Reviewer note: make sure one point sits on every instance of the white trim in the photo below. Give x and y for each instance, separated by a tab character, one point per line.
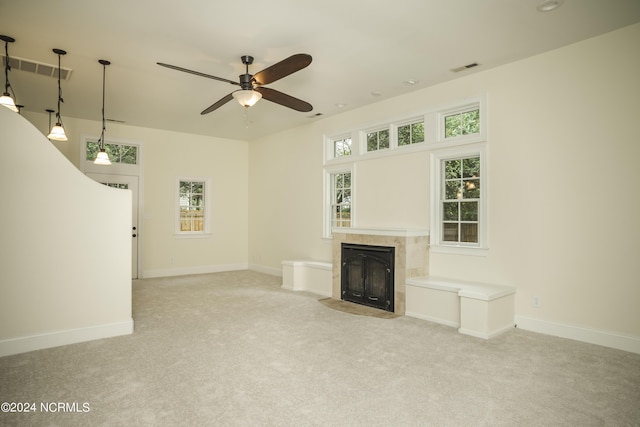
580	333
401	232
483	335
66	337
266	270
201	269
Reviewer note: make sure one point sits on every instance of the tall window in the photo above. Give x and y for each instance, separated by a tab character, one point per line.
460	199
341	199
191	206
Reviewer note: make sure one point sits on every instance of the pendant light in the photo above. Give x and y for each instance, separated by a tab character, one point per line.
6	100
57	131
102	158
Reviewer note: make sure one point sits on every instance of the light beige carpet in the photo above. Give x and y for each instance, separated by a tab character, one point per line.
360	310
234	349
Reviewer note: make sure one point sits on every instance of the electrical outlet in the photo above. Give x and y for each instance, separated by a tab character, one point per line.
536	301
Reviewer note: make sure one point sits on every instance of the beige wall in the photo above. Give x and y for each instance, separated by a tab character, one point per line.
165	157
562	147
65	270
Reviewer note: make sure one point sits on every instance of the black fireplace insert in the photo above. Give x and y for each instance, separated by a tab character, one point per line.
367	275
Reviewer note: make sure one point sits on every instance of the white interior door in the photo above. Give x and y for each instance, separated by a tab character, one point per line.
127	182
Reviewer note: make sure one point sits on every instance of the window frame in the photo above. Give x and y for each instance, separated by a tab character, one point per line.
329	173
206	217
437	157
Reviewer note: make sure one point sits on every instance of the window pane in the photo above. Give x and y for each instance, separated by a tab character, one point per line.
450	211
472	189
372	141
452	190
384	138
469	233
471	167
404	135
452	169
92	150
417	132
469	211
450	232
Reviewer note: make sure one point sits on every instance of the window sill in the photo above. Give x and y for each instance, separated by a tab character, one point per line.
459	250
192	235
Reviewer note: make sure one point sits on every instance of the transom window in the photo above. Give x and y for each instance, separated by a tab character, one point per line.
460	200
191	201
378	140
341	199
464	123
118	153
342	147
412	133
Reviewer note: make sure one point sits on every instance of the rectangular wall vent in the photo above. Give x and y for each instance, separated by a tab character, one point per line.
35	67
465	67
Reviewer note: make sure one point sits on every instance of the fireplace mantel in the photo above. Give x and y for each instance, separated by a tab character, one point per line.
399	232
411	255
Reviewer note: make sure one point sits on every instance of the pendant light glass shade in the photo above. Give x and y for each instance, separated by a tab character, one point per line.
57	131
7	101
102	158
247	98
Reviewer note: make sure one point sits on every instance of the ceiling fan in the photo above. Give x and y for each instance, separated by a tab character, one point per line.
252	85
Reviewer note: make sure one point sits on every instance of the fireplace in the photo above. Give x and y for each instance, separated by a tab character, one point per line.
410	257
367	275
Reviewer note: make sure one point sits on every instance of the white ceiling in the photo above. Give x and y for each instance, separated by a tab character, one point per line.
358	48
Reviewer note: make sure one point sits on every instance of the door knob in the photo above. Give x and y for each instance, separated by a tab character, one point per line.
134	235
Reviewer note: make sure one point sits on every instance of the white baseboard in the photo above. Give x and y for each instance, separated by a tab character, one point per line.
580	333
58	338
266	270
184	271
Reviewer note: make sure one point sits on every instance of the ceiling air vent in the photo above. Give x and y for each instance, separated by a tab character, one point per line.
36	67
465	67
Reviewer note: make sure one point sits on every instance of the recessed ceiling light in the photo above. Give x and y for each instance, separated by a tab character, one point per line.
410	82
549	5
376	93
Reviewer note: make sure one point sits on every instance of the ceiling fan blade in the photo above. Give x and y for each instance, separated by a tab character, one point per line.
197	73
218	104
282	69
284	99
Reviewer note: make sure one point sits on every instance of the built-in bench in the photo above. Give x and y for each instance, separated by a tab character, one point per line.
307	275
481	310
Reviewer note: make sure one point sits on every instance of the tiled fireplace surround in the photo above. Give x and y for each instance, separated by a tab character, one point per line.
411	256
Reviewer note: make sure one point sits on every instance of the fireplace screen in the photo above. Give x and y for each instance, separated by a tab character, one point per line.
367	275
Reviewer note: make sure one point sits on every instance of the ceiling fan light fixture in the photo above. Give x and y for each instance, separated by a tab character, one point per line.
247	98
57	133
7	101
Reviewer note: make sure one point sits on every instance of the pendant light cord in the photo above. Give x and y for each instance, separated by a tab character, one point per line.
104	127
7	67
59	119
